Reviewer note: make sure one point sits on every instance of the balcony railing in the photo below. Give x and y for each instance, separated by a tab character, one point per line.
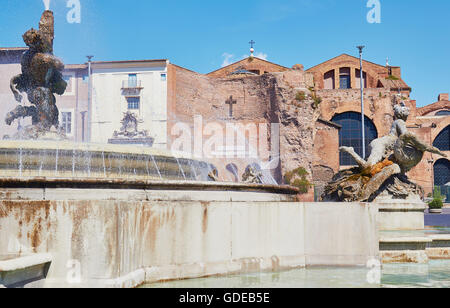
132	84
131	87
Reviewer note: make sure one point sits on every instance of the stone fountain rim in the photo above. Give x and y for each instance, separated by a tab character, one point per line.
89	147
89	183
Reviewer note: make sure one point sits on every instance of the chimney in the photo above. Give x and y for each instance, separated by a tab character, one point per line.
443	97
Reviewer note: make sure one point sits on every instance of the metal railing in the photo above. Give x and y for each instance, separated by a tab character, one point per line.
131	84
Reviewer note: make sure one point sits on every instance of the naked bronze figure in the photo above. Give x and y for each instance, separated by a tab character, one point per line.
384	172
40	79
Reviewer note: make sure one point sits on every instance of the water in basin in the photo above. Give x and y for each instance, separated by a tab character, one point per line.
434	274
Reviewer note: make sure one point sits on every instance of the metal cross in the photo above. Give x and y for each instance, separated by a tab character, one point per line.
231	102
252	43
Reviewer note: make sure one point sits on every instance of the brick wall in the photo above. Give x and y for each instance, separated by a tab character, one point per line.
259	100
255	65
374	71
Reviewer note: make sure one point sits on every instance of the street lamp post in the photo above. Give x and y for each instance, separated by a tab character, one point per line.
89	113
361	78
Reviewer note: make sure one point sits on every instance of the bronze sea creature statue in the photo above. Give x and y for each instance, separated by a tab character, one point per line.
384	172
40	79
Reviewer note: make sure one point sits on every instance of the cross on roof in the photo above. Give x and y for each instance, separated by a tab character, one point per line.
252	43
231	102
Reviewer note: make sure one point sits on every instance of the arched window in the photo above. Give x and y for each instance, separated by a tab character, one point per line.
442	142
344	78
351	135
328	80
358	79
443	113
442	172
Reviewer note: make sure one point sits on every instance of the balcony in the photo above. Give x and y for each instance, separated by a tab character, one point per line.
131	84
131	87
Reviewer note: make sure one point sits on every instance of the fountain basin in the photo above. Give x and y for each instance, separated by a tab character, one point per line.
22	158
123	233
401	214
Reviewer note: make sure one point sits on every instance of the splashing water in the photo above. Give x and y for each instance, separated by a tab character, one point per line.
181	168
46	4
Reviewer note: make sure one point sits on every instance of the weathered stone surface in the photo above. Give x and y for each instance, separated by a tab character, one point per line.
266	99
123	243
404	256
439	253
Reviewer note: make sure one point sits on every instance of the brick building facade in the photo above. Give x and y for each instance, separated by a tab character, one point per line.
338	85
269	120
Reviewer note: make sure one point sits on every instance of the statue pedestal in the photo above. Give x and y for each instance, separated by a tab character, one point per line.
401	214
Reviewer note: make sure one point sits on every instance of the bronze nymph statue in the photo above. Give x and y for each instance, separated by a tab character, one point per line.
384	172
40	79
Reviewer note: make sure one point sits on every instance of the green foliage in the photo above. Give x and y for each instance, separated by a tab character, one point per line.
317	101
436	204
392	77
300	96
298	178
438	199
437	193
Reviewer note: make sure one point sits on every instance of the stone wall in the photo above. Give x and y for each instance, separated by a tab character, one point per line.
123	242
326	155
378	105
260	100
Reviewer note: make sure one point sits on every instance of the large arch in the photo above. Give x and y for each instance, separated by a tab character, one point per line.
431	109
351	134
442	141
443	113
442	172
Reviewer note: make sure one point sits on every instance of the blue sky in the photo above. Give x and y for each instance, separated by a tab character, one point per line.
201	35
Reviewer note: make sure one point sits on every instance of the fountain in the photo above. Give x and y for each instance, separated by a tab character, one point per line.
119	215
382	179
383	175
